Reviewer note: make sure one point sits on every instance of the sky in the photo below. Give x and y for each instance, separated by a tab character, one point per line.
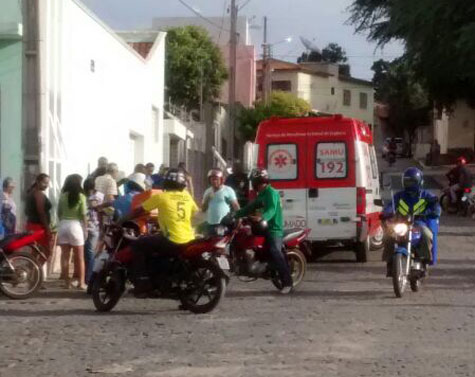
321	21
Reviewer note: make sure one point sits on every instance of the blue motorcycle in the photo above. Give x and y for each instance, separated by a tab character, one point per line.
406	266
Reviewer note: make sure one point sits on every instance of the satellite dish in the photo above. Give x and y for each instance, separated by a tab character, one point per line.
309	45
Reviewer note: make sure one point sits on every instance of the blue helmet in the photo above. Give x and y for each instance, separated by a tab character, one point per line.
412	180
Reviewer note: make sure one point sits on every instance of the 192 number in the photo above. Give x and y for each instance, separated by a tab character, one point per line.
331	167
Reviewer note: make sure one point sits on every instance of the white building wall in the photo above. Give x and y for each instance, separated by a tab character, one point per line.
354	110
98	94
317	90
461	128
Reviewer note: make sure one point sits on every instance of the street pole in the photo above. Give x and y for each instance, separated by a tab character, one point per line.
265	66
232	81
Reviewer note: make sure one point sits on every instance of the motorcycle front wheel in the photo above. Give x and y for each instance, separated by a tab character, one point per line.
399	274
204	287
25	278
107	288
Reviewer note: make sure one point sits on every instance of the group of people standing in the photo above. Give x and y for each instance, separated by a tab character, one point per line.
79	215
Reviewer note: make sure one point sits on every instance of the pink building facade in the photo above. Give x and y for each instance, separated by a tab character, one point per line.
245	75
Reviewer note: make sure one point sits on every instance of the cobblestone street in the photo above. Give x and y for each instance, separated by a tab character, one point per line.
343	321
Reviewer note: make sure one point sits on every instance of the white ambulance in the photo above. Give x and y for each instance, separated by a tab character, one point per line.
326	171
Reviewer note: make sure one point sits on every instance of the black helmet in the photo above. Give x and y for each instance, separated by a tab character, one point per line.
174	180
258	177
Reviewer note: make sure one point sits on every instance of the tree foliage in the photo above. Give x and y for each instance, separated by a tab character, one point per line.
281	104
333	53
396	85
191	59
439	40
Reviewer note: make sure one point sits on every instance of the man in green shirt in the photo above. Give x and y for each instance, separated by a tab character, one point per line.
270	210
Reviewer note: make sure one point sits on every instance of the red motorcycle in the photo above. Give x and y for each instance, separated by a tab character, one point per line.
195	277
249	256
20	272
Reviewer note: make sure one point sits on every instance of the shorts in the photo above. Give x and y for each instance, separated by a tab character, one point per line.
70	232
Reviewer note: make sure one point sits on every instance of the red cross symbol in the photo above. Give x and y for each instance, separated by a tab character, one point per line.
280	161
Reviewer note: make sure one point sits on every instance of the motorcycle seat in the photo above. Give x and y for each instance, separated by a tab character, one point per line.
290	234
12	237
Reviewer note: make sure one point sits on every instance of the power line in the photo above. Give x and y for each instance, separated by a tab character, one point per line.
222	20
348	56
211	22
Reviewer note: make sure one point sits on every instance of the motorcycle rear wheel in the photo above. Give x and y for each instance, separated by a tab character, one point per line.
446	204
26	271
205	287
298	268
399	278
107	289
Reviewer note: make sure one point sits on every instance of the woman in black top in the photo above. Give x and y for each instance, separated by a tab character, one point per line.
38	211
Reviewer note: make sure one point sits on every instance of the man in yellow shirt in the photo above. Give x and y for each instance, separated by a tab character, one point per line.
176	208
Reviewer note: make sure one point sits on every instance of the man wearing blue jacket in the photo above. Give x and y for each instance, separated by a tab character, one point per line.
413	199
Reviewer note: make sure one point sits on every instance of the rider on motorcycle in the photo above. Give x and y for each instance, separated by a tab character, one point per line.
269	206
413	199
175	211
218	200
460	178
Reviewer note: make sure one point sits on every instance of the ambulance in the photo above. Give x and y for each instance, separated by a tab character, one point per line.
326	172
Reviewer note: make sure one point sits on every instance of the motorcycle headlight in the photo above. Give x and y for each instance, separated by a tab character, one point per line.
401	229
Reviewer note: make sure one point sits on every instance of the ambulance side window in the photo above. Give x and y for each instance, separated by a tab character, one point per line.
374	164
282	162
331	160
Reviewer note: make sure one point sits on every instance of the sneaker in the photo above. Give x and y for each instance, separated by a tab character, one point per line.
286	290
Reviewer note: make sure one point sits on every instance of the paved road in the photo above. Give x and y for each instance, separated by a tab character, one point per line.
343	321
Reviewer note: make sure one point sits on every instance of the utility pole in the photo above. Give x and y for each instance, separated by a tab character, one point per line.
232	81
266	80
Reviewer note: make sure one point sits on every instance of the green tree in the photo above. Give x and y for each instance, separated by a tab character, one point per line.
438	36
193	59
332	53
281	104
397	86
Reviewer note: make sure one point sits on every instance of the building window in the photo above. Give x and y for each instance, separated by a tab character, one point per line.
363	100
283	85
346	97
156	124
282	163
333	91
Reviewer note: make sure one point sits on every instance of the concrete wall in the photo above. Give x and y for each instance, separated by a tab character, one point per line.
354	111
11	52
317	90
456	129
245	75
461	129
10	15
98	94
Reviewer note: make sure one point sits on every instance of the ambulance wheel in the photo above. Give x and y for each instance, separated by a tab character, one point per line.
377	241
362	250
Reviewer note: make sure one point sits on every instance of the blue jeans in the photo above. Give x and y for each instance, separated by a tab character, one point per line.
278	258
89	252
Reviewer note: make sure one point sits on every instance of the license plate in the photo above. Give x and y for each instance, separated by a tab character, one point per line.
325	222
223	263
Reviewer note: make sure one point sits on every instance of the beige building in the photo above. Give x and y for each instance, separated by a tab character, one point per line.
456	130
323	87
